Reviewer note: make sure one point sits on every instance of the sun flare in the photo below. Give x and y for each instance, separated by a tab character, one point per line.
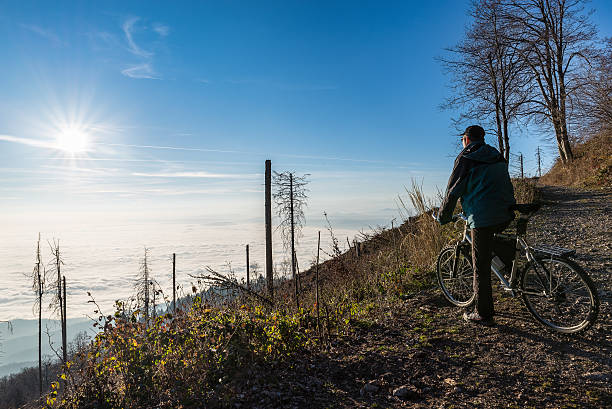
72	139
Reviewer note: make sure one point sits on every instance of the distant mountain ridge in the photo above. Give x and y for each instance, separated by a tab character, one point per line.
20	348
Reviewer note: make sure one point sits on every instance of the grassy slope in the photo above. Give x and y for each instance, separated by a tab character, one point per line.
592	167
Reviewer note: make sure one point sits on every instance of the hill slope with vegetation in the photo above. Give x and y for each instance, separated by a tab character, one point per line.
591	167
381	335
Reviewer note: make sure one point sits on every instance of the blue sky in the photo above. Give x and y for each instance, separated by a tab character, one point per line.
181	103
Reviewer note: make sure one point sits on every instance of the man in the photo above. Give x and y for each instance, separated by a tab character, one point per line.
480	179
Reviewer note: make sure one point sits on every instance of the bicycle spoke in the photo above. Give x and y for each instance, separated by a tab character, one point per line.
558	294
456	286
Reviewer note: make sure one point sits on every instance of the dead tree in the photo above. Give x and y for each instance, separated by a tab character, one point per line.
228	283
290	197
143	286
57	303
488	76
553	38
39	278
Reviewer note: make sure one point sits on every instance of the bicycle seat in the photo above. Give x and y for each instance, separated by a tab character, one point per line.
526	208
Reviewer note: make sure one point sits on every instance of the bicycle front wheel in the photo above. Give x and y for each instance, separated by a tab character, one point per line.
559	294
457	286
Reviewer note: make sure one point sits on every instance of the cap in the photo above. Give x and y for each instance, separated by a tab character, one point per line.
474	132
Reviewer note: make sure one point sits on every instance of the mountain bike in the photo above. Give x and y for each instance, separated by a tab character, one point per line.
554	288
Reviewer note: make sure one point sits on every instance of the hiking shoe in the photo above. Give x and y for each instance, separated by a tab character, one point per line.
475	317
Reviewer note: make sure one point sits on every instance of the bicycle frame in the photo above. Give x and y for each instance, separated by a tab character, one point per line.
520	246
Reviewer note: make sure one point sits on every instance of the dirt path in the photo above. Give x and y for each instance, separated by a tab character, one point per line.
421	349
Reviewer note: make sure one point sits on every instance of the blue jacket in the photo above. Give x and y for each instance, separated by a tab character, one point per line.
480	179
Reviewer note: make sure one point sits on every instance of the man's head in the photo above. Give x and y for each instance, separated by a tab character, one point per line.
473	133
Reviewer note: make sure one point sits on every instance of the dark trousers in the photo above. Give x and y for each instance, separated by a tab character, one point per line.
482	246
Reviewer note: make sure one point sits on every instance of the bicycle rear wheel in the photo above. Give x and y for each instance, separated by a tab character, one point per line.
456	287
559	294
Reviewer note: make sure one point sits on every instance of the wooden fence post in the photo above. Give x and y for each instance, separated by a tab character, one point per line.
317	284
174	283
268	209
64	325
247	268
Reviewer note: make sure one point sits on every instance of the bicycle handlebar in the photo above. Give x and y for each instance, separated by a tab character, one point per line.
454	218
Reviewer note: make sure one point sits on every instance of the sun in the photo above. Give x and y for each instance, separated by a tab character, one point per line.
72	139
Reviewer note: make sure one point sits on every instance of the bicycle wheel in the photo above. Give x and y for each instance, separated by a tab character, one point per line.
457	288
560	294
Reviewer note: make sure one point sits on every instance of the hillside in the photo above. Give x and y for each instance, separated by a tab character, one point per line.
591	168
384	336
387	338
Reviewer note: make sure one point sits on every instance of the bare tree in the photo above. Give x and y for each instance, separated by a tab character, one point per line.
39	277
596	96
143	286
290	198
488	74
552	36
58	302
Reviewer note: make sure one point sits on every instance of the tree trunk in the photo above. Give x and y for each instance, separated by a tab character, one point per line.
564	142
60	301
506	152
500	134
562	145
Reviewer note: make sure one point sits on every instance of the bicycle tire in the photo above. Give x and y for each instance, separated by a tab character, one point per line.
457	290
568	303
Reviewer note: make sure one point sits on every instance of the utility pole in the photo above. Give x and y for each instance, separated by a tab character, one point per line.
247	268
268	209
539	156
317	284
64	325
297	300
521	159
174	283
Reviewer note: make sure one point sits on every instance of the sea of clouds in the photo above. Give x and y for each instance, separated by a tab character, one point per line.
103	258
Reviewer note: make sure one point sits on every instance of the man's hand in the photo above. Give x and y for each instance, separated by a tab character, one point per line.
435	214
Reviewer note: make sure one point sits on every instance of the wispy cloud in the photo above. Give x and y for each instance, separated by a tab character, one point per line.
199	175
144	68
81	169
161	29
140	71
48	34
128	28
30	142
173	148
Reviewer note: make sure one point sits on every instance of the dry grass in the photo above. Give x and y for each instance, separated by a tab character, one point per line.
591	168
525	190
